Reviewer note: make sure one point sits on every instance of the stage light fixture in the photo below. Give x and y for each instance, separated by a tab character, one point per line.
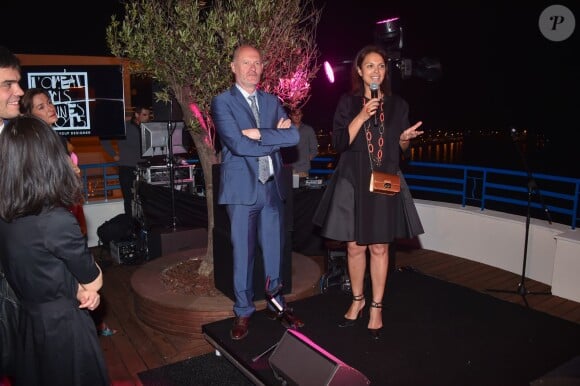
428	69
329	71
389	33
333	70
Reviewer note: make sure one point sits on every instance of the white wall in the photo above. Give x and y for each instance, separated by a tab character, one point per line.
489	237
96	213
566	267
492	238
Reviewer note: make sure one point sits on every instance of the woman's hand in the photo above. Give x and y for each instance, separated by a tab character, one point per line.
87	298
411	132
370	108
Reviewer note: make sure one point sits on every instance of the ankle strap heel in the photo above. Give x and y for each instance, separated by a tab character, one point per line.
346	322
376	332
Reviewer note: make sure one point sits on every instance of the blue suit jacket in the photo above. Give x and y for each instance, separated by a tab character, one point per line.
231	114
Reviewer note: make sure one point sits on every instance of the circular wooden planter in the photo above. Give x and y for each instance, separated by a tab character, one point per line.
184	315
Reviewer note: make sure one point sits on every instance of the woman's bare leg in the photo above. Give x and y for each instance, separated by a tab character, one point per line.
357	262
379	264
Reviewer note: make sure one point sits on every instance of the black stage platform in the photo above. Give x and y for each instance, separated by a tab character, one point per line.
435	333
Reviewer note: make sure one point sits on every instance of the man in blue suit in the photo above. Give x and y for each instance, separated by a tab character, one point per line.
252	127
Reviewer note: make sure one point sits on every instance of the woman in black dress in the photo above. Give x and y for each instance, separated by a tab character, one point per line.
46	259
368	127
37	102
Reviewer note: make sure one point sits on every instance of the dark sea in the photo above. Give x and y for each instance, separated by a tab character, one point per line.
531	154
500	150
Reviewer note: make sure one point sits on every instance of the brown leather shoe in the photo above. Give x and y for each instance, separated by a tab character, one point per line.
271	314
240	328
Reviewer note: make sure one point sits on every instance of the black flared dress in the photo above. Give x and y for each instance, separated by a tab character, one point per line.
44	257
348	210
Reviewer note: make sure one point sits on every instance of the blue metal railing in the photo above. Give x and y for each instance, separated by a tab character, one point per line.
477	186
329	165
99	178
480	186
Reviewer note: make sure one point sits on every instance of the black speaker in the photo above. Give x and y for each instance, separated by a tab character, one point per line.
162	241
124	252
297	360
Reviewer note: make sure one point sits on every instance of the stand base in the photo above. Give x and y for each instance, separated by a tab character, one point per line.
522	291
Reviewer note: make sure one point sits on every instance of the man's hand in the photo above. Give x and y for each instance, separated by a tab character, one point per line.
284	123
252	134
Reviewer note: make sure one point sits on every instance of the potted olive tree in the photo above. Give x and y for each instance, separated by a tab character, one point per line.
187	45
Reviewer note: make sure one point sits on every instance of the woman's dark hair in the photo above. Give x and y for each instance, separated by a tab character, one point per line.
26	106
357	83
26	99
35	170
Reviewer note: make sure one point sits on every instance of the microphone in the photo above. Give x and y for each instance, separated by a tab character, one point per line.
375	94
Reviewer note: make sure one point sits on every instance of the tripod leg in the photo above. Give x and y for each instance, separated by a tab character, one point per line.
522	291
256	358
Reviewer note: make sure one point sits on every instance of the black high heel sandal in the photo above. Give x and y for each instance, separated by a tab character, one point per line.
346	322
376	332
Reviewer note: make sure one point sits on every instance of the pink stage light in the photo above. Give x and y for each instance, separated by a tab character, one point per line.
329	71
390	25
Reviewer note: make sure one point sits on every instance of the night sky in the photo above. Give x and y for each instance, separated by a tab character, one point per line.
498	70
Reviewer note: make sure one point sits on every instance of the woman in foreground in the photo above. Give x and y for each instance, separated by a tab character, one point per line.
46	259
370	130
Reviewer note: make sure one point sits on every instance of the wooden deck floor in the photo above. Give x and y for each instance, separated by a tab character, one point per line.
137	347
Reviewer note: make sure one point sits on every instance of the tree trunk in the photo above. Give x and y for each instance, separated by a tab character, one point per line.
207	158
207	161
